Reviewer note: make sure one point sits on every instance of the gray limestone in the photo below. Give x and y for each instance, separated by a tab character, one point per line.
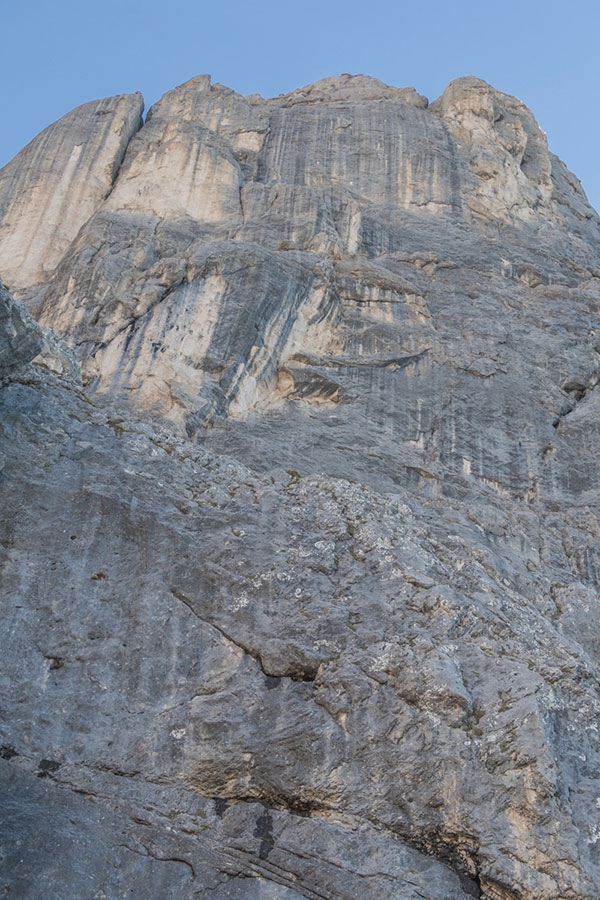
300	584
20	336
53	186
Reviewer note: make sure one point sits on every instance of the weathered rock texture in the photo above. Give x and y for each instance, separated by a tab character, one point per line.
58	181
301	588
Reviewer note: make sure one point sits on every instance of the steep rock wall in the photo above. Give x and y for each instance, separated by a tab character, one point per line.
302	591
56	183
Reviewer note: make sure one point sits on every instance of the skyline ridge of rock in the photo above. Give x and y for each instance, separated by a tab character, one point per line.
299	465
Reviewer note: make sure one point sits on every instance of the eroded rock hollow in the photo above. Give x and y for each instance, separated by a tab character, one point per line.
299	545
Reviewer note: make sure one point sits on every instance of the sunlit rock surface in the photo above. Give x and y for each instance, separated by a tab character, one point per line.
53	186
301	588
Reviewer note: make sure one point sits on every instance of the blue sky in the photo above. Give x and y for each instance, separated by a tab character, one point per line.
56	55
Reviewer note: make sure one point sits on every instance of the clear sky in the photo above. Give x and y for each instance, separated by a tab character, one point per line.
56	54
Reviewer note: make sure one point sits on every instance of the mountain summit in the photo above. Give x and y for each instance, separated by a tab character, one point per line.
300	452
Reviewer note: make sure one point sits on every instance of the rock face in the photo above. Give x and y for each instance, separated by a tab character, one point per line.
20	338
301	585
58	181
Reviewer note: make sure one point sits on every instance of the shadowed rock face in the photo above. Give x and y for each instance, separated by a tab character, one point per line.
301	589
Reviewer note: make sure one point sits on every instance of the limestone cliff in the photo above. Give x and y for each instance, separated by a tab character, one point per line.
301	586
58	181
